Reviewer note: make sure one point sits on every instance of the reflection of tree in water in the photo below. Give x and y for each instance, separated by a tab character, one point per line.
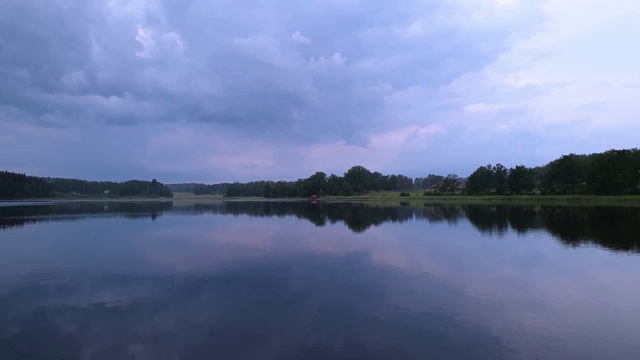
488	219
612	227
498	219
524	218
360	217
441	212
616	228
18	216
357	217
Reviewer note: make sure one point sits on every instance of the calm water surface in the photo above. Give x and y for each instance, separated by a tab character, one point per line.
265	280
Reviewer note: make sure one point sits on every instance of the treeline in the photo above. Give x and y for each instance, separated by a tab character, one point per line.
498	180
76	187
200	189
357	180
21	186
614	172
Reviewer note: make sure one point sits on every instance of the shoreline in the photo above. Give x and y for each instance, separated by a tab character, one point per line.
374	198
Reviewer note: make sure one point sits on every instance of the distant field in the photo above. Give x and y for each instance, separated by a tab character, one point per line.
417	196
189	199
190	196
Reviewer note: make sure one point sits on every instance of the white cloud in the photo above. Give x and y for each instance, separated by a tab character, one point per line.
414	30
505	3
485	108
408	137
299	38
323	63
174	40
266	48
139	10
538	96
473	14
145	41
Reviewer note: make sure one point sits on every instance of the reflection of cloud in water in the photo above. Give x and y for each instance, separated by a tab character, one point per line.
543	299
614	228
524	286
292	307
224	239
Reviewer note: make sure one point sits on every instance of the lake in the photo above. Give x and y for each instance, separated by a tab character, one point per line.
302	280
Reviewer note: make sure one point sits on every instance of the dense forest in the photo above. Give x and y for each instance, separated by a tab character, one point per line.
357	180
20	186
614	172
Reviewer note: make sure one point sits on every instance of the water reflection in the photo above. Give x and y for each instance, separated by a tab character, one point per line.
274	280
292	308
615	228
16	215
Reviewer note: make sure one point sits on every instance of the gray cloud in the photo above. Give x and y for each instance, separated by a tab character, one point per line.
234	63
239	90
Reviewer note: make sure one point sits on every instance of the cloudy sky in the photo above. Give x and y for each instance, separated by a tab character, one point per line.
226	90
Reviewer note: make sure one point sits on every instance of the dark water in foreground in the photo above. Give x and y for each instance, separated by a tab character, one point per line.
318	281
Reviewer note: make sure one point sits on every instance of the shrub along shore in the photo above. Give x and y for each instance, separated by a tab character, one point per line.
418	198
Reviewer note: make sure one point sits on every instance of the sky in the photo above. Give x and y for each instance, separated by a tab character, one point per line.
239	90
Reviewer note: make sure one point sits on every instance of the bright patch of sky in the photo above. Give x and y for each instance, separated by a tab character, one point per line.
267	90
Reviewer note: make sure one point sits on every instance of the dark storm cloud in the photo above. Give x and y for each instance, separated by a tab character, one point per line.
241	90
294	68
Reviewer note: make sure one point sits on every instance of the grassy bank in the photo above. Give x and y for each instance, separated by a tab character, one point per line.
413	198
417	196
190	196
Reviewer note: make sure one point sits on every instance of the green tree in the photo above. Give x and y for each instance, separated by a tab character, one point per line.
432	180
314	184
334	184
520	180
346	189
234	190
359	178
20	186
614	172
267	190
392	182
481	181
450	184
566	175
500	185
404	183
379	182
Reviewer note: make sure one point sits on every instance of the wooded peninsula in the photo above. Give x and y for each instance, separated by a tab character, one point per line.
21	186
